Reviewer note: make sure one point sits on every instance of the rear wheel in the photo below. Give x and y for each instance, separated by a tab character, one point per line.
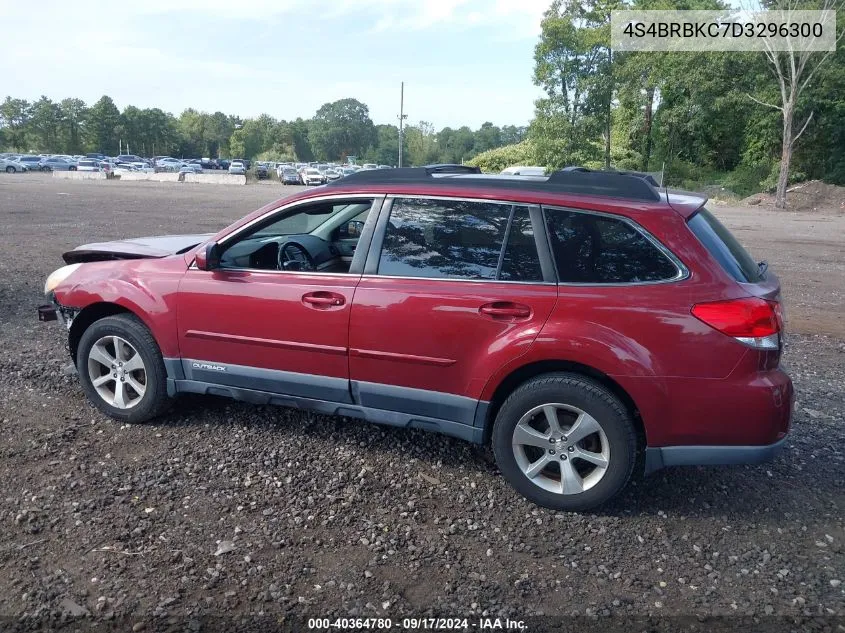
10	170
122	370
565	442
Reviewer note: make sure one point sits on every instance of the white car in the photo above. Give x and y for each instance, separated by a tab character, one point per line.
520	170
312	176
88	164
237	167
11	166
191	168
369	166
169	164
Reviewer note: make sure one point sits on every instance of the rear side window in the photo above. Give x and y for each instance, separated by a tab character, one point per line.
454	239
596	249
723	246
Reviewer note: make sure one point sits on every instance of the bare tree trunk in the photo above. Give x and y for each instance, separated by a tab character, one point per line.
786	155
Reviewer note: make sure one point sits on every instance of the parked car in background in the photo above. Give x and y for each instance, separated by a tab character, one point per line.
261	171
289	176
11	166
129	158
190	168
332	174
95	156
369	166
88	164
58	164
169	164
33	163
313	176
520	170
222	163
385	167
237	167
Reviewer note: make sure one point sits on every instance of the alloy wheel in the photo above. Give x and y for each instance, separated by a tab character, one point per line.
117	372
561	448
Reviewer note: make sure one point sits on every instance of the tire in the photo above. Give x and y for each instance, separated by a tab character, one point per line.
71	168
10	169
130	330
613	441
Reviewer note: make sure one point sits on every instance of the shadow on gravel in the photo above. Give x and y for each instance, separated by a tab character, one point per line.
769	493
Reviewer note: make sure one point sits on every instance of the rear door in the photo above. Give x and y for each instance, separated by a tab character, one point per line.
452	289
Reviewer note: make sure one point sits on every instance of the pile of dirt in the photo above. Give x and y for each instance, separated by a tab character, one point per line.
813	195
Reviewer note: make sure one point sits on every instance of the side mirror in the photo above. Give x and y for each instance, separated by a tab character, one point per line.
208	258
354	228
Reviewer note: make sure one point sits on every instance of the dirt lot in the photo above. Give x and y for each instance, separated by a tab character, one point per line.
329	517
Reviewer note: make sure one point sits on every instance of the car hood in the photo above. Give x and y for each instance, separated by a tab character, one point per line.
136	248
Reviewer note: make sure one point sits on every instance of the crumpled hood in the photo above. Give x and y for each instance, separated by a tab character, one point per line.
136	248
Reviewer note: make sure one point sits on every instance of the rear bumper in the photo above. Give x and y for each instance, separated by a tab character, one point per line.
664	456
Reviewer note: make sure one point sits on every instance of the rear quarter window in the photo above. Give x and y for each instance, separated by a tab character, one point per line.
596	249
724	247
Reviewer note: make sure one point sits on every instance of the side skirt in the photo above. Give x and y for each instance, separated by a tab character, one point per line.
378	416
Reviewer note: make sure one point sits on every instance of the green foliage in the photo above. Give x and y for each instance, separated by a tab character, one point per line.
495	160
102	126
340	129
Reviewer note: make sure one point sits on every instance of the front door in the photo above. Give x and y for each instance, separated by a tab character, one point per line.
274	316
452	290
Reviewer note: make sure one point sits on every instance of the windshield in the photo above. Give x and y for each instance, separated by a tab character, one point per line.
308	220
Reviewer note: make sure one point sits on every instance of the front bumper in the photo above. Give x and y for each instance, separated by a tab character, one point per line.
56	312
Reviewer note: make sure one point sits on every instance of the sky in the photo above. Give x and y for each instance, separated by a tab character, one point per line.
463	62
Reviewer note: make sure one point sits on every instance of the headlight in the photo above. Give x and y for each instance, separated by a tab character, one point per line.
58	276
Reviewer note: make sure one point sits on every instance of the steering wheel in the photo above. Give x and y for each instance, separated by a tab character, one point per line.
293	256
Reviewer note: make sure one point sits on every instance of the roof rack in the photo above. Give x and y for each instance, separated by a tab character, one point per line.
578	180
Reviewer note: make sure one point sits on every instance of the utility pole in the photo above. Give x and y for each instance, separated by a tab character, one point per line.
402	117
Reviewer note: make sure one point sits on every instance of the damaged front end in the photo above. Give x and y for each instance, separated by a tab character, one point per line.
56	312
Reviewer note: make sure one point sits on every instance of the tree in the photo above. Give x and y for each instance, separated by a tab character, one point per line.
340	129
44	124
102	126
14	117
301	143
793	71
487	137
72	114
573	66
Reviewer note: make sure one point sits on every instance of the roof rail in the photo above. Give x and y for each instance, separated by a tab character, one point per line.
405	174
576	180
618	184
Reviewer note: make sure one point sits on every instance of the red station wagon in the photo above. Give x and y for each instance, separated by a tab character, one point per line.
585	323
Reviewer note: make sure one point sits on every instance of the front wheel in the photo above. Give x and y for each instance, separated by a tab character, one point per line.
565	442
122	370
10	170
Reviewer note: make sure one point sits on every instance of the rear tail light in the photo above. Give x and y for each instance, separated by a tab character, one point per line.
752	321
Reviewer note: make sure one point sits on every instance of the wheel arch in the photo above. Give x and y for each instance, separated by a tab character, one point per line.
89	315
526	372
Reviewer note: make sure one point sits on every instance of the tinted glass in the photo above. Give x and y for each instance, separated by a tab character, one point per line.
723	247
591	248
521	262
444	239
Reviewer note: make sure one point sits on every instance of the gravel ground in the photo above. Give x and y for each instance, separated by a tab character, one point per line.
224	515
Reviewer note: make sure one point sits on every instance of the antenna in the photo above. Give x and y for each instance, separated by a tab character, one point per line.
402	117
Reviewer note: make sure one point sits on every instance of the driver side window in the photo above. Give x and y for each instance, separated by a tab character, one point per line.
301	238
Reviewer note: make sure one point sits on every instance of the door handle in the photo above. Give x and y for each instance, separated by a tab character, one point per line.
323	300
505	310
